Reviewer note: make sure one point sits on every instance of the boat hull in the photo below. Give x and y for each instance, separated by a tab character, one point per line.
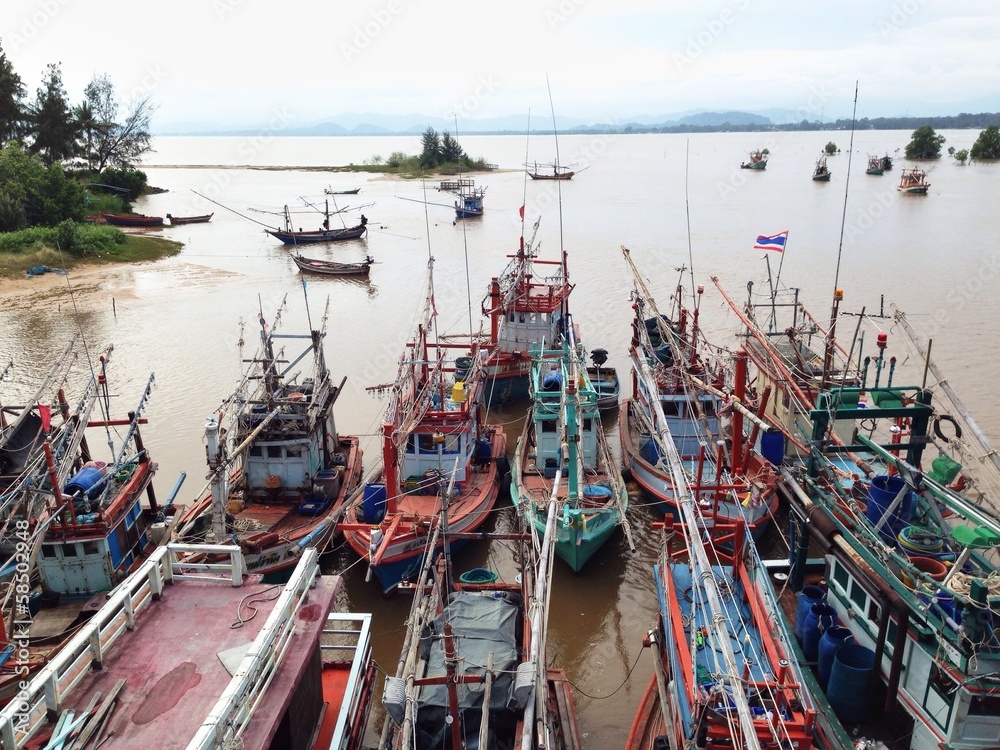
308	238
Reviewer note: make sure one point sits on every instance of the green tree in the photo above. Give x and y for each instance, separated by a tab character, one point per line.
987	145
50	122
131	183
451	152
11	94
430	154
961	155
925	144
114	143
830	148
34	194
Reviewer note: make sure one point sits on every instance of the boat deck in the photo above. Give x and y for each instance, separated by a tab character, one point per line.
176	661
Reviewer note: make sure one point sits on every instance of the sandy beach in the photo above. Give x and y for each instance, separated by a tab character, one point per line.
84	284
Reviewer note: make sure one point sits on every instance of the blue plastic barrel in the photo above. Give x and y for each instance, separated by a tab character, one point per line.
552	381
829	644
807	597
772	447
820	617
847	690
882	492
84	481
373	502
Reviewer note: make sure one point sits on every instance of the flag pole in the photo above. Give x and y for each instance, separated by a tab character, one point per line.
780	262
770	284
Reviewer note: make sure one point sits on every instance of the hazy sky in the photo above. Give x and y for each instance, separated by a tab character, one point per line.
222	63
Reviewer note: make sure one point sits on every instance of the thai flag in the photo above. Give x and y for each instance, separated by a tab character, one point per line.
774	242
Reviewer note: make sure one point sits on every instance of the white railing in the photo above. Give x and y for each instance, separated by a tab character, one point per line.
46	692
359	654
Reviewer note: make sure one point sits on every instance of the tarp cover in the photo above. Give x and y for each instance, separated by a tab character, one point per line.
481	623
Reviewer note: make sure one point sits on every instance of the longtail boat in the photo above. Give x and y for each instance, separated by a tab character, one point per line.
132	220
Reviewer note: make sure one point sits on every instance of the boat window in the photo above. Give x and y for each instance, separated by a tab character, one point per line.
874	610
91	548
511	317
985	705
427	443
841	576
255	450
890	637
273	451
708	407
522	317
453	444
945	687
859	596
548	425
410	444
672	409
69	550
588	425
49	550
293	452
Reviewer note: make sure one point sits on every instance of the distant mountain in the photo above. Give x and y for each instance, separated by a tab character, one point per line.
716	119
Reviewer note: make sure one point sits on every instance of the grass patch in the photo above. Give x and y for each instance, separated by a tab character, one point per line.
133	249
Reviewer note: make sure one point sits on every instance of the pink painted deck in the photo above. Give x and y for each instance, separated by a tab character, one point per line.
173	674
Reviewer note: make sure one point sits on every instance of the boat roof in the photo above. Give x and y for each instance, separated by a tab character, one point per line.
178	691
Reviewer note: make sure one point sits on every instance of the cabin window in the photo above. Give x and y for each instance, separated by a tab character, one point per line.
985	705
91	548
49	550
890	636
840	576
859	596
410	445
511	318
69	550
874	610
452	444
672	408
521	316
587	425
293	452
548	425
256	450
708	408
945	687
273	451
427	443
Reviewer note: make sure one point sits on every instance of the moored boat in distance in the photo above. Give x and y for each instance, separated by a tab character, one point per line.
333	268
291	236
559	172
874	166
758	160
436	448
821	173
132	220
470	203
280	472
913	181
202	656
176	220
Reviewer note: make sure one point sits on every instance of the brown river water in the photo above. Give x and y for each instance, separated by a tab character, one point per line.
674	200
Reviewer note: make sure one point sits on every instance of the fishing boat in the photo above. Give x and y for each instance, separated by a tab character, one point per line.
470	203
675	386
353	191
291	236
332	268
132	220
821	173
874	166
525	306
279	472
758	160
559	172
886	163
202	219
74	524
433	430
563	457
474	669
913	182
203	656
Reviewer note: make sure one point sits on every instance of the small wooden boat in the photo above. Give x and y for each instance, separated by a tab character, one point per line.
355	191
913	181
174	220
606	385
332	268
470	203
132	220
291	236
558	172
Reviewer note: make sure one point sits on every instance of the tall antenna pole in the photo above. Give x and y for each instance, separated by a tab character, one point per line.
555	135
687	212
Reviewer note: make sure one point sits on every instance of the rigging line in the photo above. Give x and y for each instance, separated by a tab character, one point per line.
465	251
524	189
232	210
583	692
687	214
847	184
555	135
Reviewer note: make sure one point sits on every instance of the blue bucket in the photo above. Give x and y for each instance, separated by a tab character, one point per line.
807	597
820	618
772	447
847	690
373	502
829	644
882	492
